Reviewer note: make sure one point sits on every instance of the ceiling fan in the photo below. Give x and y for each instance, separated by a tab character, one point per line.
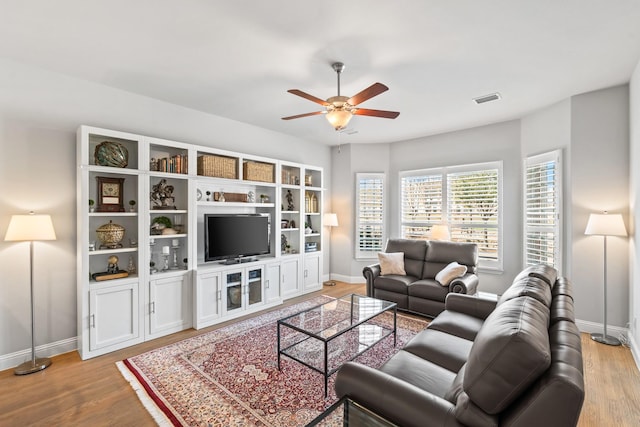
340	109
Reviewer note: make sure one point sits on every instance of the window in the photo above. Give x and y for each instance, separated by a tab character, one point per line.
467	198
370	232
542	208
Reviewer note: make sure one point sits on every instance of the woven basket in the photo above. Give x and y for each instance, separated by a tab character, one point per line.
218	166
256	171
231	197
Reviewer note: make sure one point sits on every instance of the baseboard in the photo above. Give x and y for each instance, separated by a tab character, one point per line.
348	279
594	327
11	360
634	350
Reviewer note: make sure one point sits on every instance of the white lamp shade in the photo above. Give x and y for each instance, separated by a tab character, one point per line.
29	228
330	220
605	225
440	232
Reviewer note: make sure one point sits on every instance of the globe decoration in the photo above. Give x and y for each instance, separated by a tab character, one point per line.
111	153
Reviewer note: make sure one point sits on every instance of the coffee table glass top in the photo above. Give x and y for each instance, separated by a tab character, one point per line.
330	319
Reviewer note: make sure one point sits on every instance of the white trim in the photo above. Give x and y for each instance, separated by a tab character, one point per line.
635	351
587	326
11	360
357	280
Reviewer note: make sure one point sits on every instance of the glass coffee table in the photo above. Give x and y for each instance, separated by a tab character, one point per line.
324	337
345	412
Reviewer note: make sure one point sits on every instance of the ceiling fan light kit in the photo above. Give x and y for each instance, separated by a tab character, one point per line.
340	109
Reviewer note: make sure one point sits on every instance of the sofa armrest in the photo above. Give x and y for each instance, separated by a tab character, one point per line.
466	284
471	305
370	273
392	398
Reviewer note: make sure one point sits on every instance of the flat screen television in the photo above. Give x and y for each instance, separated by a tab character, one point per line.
233	237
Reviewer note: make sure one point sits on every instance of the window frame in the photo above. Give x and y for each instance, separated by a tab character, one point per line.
555	157
495	265
370	254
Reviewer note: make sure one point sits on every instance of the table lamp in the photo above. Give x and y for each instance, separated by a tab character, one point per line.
605	225
440	232
30	228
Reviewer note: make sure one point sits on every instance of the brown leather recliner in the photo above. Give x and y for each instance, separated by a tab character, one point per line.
514	362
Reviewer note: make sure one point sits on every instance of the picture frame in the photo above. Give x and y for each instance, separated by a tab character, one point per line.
110	194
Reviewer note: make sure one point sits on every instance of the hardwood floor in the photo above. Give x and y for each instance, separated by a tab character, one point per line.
72	392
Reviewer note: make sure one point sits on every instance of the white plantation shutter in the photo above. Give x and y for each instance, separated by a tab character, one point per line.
467	198
473	209
370	235
542	207
421	204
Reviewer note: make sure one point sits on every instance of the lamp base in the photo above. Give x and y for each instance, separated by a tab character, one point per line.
330	283
605	339
33	366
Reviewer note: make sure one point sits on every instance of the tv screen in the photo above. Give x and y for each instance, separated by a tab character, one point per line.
235	236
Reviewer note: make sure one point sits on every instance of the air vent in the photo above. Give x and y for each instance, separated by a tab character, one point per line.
487	98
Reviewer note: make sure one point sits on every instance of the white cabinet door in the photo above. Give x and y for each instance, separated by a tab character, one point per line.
312	272
272	283
232	291
208	299
113	316
290	282
169	302
254	286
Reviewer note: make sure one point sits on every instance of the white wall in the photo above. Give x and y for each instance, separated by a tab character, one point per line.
599	181
634	220
39	114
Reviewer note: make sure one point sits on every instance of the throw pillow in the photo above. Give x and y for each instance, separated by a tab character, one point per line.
450	272
391	263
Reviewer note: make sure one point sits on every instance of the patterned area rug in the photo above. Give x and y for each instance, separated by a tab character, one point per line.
230	376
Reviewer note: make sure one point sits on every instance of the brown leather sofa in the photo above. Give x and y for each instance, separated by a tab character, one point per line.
418	291
514	362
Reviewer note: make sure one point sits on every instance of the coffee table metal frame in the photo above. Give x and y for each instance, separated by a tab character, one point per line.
352	414
354	323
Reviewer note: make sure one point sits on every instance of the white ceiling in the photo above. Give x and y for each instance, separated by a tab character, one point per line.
237	58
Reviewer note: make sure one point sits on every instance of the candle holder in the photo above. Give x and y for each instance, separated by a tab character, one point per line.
175	265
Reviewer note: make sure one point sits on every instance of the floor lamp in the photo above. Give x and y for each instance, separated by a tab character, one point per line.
30	228
330	220
605	225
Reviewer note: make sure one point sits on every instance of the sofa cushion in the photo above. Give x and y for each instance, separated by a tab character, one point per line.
541	271
394	283
452	271
419	372
458	324
509	353
414	253
440	253
443	349
562	309
563	286
528	286
391	263
428	289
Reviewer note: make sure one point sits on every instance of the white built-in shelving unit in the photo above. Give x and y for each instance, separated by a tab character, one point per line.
170	287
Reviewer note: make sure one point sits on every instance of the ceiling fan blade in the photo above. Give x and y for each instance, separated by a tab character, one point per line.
368	93
376	113
303	115
309	97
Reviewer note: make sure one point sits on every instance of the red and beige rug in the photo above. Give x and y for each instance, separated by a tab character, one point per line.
230	376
